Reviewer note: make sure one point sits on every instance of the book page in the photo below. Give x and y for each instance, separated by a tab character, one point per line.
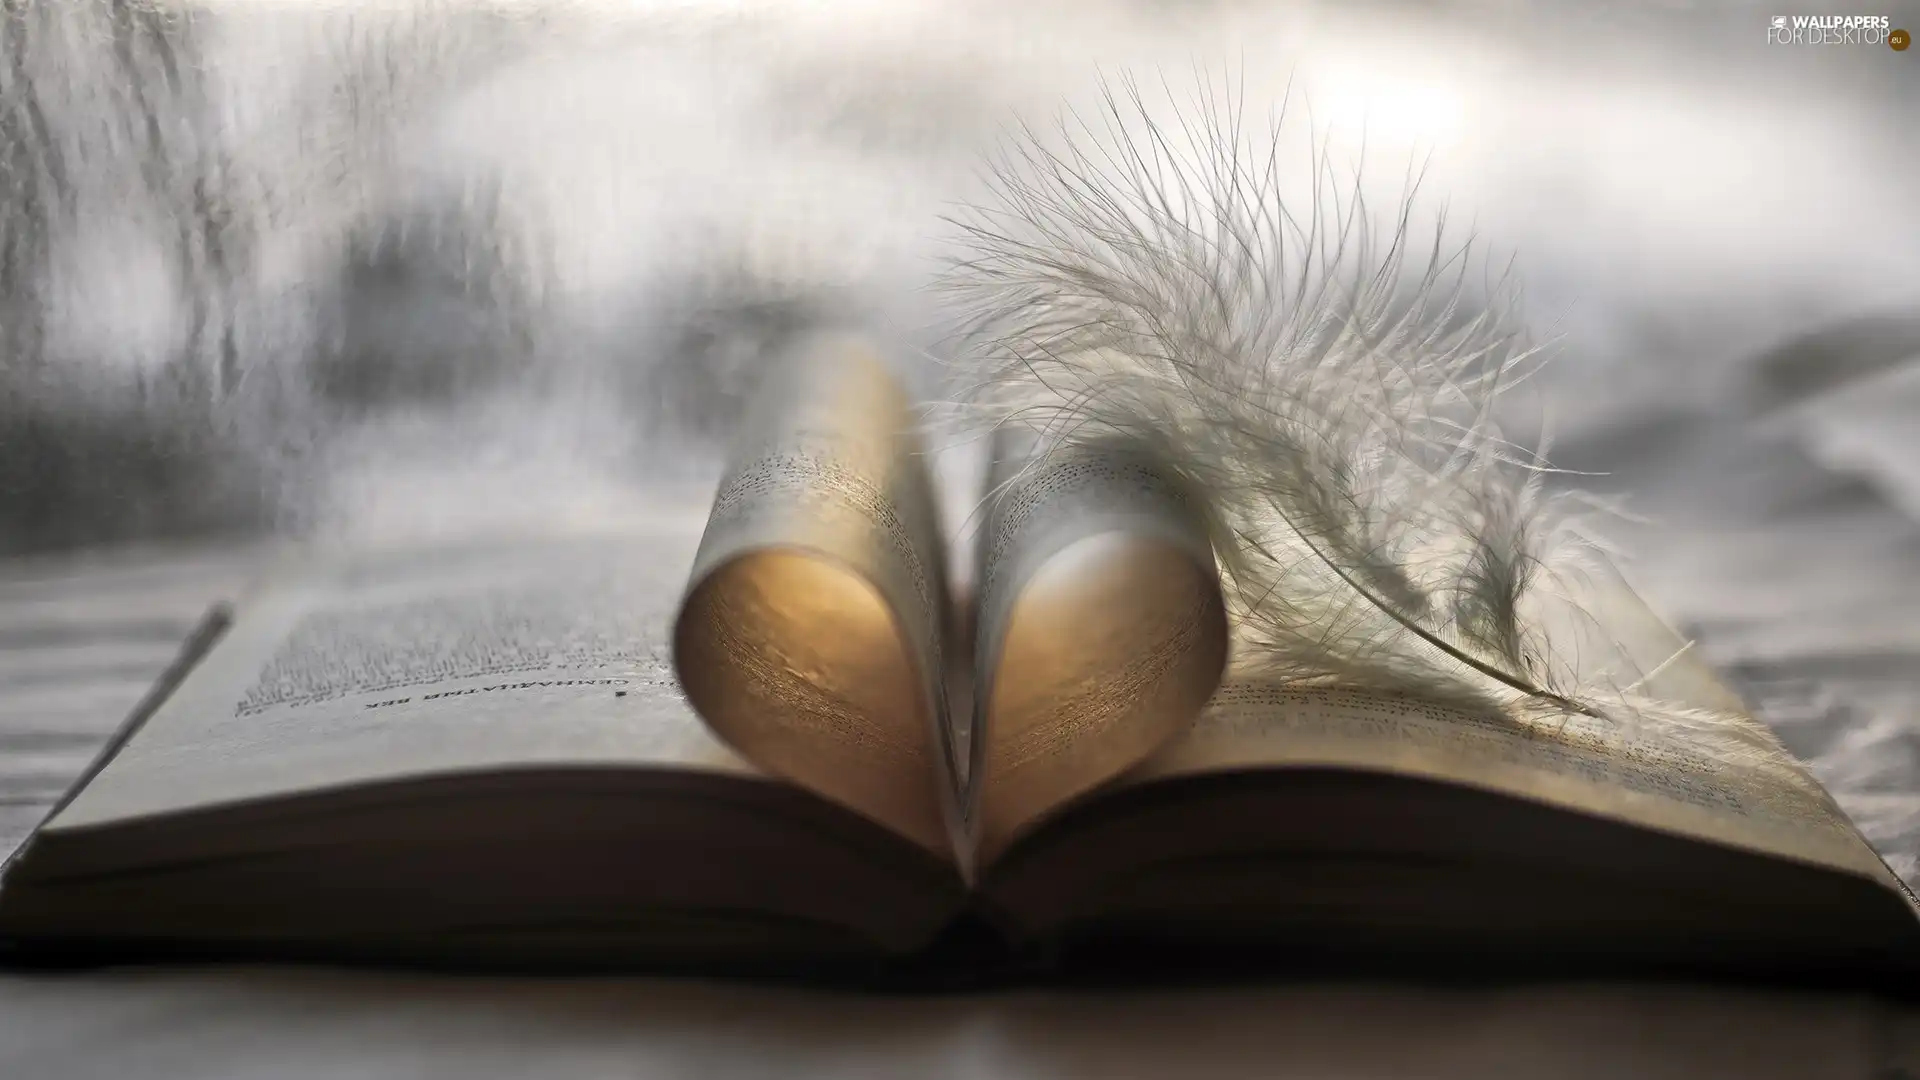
1100	631
397	663
1641	773
812	639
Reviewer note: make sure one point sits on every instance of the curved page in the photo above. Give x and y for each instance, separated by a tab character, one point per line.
810	639
1102	630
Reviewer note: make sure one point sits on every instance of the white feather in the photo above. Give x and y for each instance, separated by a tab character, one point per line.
1324	384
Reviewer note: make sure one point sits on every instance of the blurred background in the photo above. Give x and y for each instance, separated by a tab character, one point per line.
273	268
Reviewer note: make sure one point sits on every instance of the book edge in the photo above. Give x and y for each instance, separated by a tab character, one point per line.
200	641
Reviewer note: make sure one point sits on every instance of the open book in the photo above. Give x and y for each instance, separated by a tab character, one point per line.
775	743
